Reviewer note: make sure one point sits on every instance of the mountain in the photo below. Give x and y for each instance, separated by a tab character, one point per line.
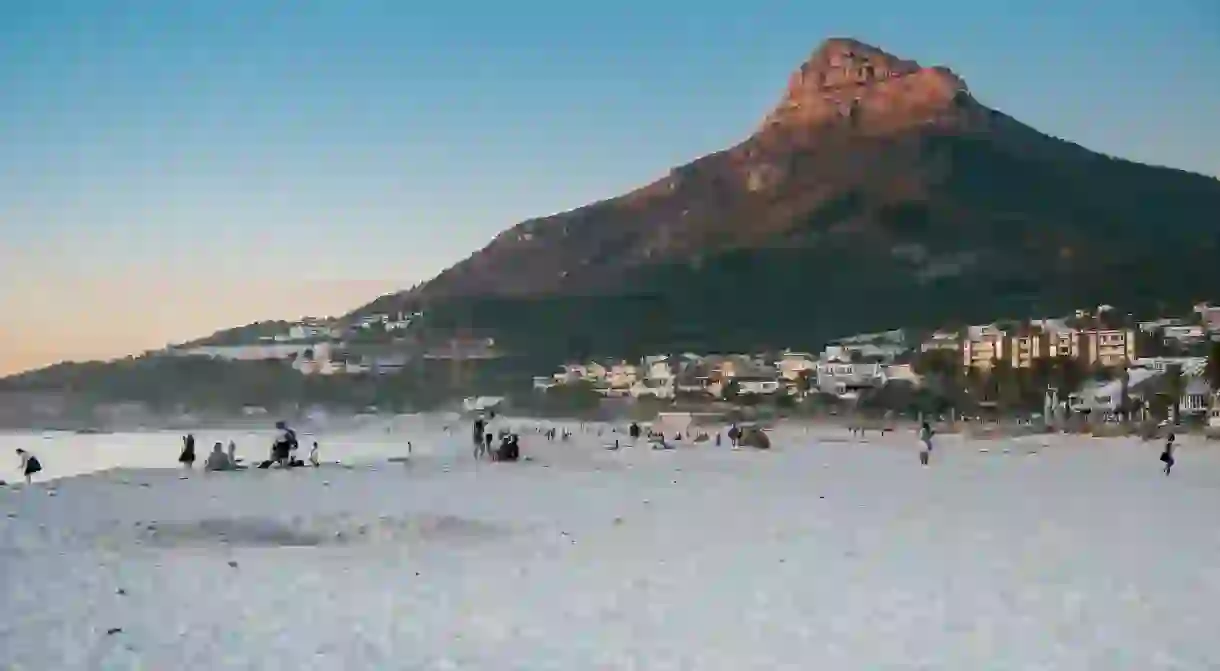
877	193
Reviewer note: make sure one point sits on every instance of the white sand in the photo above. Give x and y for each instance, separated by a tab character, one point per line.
821	554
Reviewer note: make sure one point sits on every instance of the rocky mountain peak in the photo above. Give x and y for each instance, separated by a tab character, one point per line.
846	79
847	62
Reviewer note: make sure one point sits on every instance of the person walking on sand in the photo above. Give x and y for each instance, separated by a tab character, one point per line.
925	437
187	458
1167	455
29	464
478	437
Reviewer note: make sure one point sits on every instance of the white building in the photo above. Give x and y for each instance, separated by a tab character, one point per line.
659	369
652	388
622	375
942	340
1185	333
1106	396
757	386
841	378
792	365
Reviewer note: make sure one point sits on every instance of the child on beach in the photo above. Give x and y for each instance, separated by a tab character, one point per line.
1167	455
925	437
29	464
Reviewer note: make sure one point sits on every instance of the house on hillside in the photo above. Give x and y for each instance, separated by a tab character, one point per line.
1196	397
660	368
792	365
942	340
622	375
1105	396
1157	324
590	372
1191	366
1209	316
691	381
1186	334
842	378
899	372
756	385
652	388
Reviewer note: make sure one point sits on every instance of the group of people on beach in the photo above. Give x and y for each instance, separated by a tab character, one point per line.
484	430
284	448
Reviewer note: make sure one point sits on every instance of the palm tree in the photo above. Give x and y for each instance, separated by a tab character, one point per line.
1124	399
1175	384
1213	367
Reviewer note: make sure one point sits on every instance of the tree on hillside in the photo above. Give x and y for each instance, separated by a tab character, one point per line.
805	381
940	363
1150	343
1066	374
1125	394
1212	372
576	399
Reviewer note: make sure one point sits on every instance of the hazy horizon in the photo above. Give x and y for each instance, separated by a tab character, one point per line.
171	169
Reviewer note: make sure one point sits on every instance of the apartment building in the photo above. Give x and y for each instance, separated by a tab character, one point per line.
1026	348
1110	347
1063	343
985	345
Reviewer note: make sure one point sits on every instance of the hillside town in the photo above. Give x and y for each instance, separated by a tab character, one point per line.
1120	362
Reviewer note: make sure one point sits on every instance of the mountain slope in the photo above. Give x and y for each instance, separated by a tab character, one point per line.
877	193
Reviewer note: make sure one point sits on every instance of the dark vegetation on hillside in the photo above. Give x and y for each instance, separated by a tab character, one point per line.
1020	239
241	335
169	383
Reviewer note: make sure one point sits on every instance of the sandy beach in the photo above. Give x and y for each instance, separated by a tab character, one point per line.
824	552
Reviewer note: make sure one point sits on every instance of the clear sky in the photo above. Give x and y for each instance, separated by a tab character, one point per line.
168	168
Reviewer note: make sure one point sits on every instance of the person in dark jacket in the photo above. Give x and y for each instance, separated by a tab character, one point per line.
187	458
284	445
510	449
29	464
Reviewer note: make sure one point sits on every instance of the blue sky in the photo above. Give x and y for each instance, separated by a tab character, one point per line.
170	168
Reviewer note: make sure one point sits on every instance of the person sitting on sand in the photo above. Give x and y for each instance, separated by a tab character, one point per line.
734	435
218	460
29	464
313	454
